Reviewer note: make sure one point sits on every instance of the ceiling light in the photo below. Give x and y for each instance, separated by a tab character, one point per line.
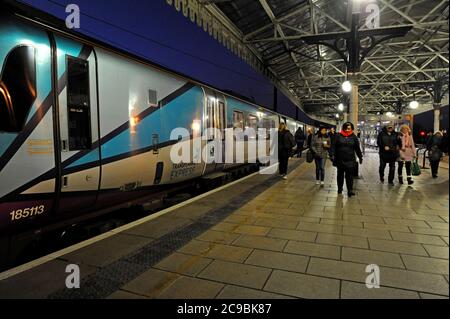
347	87
414	105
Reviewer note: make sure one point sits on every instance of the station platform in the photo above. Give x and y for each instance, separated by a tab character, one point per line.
264	237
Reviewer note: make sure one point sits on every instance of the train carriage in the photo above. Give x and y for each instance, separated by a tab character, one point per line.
87	128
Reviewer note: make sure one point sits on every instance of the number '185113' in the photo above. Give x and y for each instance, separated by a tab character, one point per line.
26	212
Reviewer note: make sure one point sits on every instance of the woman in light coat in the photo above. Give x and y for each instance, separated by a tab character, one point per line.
407	154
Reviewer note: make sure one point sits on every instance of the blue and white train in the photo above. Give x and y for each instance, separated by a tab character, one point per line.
85	128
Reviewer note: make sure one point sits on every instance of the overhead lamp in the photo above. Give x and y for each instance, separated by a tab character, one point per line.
347	86
414	105
337	115
389	114
341	107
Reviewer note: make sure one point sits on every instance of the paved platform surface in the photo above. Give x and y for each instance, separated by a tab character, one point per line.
270	238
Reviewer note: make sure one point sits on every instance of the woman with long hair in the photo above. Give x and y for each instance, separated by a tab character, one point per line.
407	154
320	147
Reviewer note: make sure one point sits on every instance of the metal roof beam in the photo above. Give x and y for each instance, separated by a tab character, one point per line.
300	37
433	10
280	19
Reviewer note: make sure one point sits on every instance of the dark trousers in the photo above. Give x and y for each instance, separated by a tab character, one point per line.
391	170
347	173
283	158
320	168
434	167
300	149
400	168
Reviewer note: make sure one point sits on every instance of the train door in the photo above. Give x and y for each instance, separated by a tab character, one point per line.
215	123
27	157
78	126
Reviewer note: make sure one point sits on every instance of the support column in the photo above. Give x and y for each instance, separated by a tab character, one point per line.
275	98
437	115
354	105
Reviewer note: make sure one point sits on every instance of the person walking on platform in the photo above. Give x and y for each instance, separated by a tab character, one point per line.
300	139
343	151
407	154
320	147
389	145
435	151
286	143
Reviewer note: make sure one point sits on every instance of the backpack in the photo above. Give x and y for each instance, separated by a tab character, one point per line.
435	153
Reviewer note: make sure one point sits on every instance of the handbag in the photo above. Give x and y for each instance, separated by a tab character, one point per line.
309	156
415	168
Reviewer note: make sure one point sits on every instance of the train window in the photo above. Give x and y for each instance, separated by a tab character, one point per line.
210	118
238	120
152	98
17	88
253	122
78	104
221	114
267	124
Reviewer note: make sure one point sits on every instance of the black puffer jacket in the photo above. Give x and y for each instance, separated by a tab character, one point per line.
392	141
286	141
343	150
435	147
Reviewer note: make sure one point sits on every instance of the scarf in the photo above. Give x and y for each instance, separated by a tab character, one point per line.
346	134
407	140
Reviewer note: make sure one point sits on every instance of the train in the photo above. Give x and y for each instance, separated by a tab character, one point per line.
85	128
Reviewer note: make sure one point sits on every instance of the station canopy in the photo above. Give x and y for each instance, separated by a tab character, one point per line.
286	36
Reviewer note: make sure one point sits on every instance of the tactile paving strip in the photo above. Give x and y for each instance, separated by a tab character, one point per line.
110	278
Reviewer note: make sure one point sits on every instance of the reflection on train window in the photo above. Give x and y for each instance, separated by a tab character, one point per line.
210	118
268	124
221	113
253	122
238	120
17	89
78	104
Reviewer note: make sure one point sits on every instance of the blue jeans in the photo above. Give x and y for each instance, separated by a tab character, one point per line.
320	168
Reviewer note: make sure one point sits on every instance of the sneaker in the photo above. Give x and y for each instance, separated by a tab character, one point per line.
322	183
410	181
317	182
391	184
351	193
339	192
284	177
435	176
382	180
400	180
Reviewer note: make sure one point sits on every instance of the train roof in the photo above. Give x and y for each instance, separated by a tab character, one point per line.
56	25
